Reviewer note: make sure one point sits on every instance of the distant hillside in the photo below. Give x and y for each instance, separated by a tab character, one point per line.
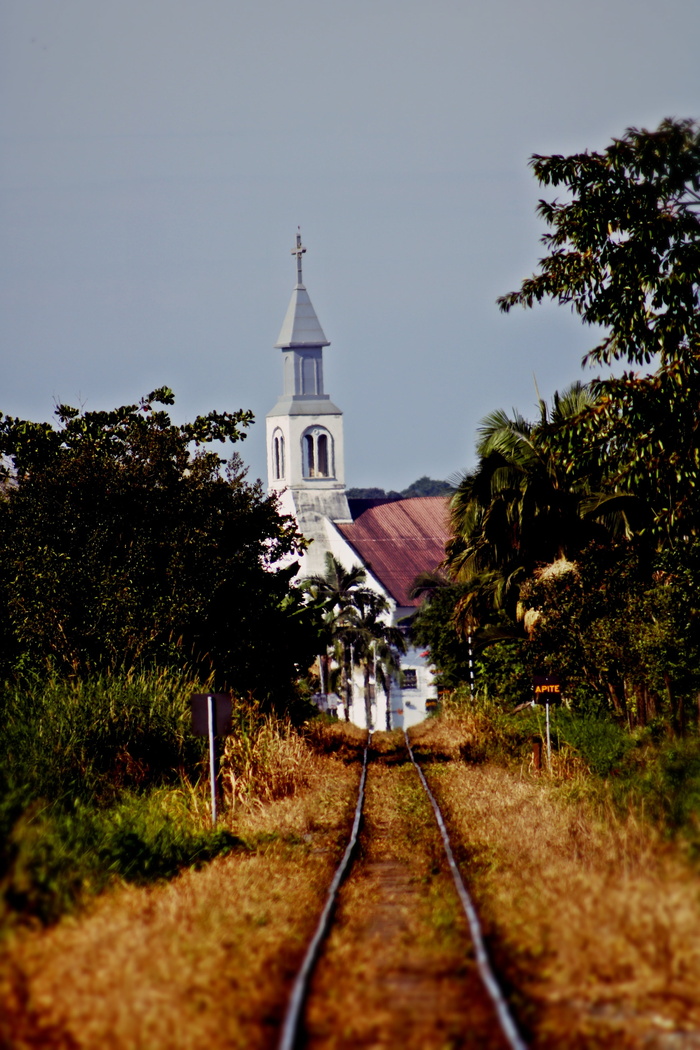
425	486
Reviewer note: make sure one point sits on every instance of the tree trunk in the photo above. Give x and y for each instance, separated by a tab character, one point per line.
642	704
346	683
368	698
614	698
671	702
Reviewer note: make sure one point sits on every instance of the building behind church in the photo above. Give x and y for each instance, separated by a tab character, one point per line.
394	540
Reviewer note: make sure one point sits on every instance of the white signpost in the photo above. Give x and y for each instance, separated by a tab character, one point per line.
547	691
211	717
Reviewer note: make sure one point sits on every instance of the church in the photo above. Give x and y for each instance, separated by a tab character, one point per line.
394	540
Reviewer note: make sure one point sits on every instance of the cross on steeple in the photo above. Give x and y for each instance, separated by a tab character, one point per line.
298	251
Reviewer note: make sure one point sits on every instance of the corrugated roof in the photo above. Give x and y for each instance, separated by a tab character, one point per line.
301	325
399	539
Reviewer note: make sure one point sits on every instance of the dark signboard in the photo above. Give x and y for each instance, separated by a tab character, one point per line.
223	709
547	688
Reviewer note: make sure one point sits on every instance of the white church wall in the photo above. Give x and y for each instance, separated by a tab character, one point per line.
408	706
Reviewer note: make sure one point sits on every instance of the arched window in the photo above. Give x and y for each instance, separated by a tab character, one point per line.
317	453
278	455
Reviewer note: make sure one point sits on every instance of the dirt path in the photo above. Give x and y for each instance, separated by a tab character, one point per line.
398	968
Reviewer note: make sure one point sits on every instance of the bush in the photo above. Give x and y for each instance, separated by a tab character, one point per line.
601	743
91	739
52	858
97	784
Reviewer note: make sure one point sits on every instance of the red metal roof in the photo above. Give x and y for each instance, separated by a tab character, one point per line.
399	539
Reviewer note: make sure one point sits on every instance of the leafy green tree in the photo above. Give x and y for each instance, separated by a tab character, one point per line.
122	546
436	627
624	253
335	595
621	626
426	486
356	628
521	507
376	645
625	243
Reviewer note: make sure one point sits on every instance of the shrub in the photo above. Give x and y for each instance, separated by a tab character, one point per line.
54	857
90	739
601	742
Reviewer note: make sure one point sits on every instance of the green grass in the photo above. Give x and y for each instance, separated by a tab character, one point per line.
101	780
55	857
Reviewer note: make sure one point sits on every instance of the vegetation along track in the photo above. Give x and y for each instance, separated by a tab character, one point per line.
397	958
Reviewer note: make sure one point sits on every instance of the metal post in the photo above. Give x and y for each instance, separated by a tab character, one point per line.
211	724
352	677
471	666
320	675
549	741
374	675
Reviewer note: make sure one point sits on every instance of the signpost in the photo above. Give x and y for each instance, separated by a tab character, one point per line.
211	717
547	691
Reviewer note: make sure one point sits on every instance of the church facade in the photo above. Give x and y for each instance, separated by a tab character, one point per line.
394	540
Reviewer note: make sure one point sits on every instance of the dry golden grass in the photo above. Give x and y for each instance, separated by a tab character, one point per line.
454	734
333	737
205	960
270	762
595	922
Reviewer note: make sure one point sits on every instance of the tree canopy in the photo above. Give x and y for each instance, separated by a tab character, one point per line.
124	541
584	525
624	253
624	246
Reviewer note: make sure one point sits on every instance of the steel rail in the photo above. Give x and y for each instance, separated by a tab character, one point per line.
290	1027
504	1015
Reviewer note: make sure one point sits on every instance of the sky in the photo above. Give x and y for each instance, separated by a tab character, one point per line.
157	157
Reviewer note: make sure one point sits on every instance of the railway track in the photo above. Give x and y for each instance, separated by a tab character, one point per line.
379	888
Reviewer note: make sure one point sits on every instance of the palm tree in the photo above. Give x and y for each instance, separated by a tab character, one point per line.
340	593
357	629
377	647
522	506
539	494
387	665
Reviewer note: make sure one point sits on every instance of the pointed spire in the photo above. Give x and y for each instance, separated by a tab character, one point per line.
301	325
299	251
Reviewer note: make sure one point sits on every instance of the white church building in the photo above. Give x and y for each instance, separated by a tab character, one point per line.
394	540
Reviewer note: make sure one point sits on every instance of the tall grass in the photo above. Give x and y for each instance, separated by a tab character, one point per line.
644	771
104	779
90	740
265	758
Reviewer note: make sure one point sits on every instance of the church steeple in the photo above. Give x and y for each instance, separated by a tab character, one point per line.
300	326
305	454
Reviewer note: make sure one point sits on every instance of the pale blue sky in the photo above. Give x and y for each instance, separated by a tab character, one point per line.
156	157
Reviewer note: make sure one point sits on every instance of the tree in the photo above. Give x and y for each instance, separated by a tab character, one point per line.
335	595
521	507
426	486
435	627
123	542
624	253
356	628
622	624
377	646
